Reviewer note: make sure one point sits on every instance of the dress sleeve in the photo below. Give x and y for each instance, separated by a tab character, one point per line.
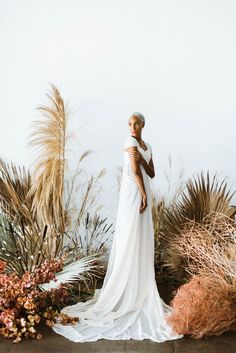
130	141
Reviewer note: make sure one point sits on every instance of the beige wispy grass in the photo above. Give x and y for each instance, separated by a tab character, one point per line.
49	140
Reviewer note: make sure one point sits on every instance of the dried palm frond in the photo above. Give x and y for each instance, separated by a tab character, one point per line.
23	246
15	183
201	197
25	242
158	208
200	202
78	270
160	203
49	139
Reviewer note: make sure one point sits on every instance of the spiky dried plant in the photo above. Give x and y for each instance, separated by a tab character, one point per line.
201	198
79	270
23	246
23	243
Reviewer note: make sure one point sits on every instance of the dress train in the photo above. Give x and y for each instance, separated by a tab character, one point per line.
128	306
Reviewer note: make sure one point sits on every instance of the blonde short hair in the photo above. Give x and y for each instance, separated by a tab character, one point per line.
140	116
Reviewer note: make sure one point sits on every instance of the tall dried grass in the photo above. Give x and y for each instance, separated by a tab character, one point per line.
49	139
38	218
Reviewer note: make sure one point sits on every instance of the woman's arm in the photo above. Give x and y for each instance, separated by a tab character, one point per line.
149	167
137	171
138	178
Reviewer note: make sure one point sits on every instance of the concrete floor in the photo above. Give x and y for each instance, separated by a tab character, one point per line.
51	342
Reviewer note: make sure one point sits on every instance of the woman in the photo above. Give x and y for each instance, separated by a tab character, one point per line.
128	305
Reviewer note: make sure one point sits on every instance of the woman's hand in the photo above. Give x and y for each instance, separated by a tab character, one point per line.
137	155
143	204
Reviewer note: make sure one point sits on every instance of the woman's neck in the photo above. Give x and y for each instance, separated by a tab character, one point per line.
139	139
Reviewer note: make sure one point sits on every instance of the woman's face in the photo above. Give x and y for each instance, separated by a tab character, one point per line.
135	126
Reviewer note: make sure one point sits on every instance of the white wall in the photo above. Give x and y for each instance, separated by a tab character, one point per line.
172	60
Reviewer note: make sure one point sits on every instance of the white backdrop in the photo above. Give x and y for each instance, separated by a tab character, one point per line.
172	60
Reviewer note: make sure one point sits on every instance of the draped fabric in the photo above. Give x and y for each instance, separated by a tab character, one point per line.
128	305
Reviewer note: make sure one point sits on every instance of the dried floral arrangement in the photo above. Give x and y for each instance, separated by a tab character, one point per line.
23	305
198	200
40	225
206	304
195	252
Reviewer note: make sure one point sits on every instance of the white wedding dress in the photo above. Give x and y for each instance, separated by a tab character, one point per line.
128	305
